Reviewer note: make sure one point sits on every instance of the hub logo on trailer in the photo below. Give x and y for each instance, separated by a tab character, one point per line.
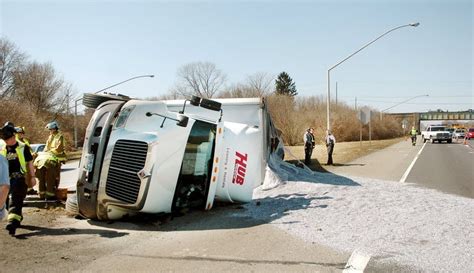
240	168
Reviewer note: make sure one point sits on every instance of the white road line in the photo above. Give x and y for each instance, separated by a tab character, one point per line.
405	175
357	262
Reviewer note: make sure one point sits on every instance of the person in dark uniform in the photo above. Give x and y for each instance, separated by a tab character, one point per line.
20	163
330	142
308	145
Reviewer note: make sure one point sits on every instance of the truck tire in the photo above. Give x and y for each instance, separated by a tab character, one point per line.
450	140
93	101
424	139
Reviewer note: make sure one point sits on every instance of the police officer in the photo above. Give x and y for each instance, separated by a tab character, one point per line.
308	145
19	164
330	142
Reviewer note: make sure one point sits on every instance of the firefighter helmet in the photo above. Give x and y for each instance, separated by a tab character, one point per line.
7	131
20	129
52	125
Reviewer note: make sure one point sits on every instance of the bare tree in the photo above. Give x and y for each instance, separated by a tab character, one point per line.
261	83
256	85
201	78
39	86
237	91
11	60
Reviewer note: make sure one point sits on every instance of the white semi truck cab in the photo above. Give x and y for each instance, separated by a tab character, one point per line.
164	156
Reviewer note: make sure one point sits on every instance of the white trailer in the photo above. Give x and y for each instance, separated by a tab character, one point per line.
163	156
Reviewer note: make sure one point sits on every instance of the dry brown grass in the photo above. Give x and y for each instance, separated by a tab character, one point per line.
293	115
344	152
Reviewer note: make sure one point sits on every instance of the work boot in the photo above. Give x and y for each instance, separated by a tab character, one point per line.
12	226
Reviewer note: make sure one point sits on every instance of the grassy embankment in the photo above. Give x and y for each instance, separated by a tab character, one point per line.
344	152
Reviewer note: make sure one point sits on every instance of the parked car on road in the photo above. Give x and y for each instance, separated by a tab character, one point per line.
459	133
37	147
470	133
436	133
451	131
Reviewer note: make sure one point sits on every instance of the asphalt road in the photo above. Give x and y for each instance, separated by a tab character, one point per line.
386	164
446	167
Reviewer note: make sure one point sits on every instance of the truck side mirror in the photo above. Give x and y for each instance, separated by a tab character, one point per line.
182	121
195	100
211	105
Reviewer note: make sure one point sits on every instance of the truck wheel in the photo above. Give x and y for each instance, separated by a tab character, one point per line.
450	140
424	139
94	100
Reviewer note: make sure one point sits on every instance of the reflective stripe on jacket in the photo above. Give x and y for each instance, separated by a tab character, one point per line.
20	152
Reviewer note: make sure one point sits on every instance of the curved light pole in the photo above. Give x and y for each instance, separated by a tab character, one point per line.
381	112
366	45
108	87
142	76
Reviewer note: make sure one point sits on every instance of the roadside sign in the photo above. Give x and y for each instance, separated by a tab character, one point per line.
364	115
404	123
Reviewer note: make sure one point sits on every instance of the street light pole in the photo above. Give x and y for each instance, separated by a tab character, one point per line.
345	59
108	87
381	112
142	76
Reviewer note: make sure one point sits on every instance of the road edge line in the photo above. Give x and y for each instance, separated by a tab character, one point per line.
405	175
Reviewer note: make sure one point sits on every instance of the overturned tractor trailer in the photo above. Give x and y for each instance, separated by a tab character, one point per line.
163	156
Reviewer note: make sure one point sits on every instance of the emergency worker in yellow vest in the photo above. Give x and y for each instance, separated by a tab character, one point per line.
20	135
413	133
19	164
49	167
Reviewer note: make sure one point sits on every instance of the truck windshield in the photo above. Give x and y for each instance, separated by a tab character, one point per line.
437	128
194	177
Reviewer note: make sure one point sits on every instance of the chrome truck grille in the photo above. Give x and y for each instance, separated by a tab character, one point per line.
128	158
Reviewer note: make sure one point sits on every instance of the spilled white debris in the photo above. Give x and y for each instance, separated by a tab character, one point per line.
417	228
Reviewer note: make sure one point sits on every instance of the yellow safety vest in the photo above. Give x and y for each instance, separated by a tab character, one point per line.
24	140
20	152
55	145
413	132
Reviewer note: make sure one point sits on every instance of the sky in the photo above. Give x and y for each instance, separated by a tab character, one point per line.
96	44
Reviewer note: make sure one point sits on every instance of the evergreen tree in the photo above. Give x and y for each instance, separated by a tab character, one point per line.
284	85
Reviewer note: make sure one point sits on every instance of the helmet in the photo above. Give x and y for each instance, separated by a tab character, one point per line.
7	131
52	125
20	129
